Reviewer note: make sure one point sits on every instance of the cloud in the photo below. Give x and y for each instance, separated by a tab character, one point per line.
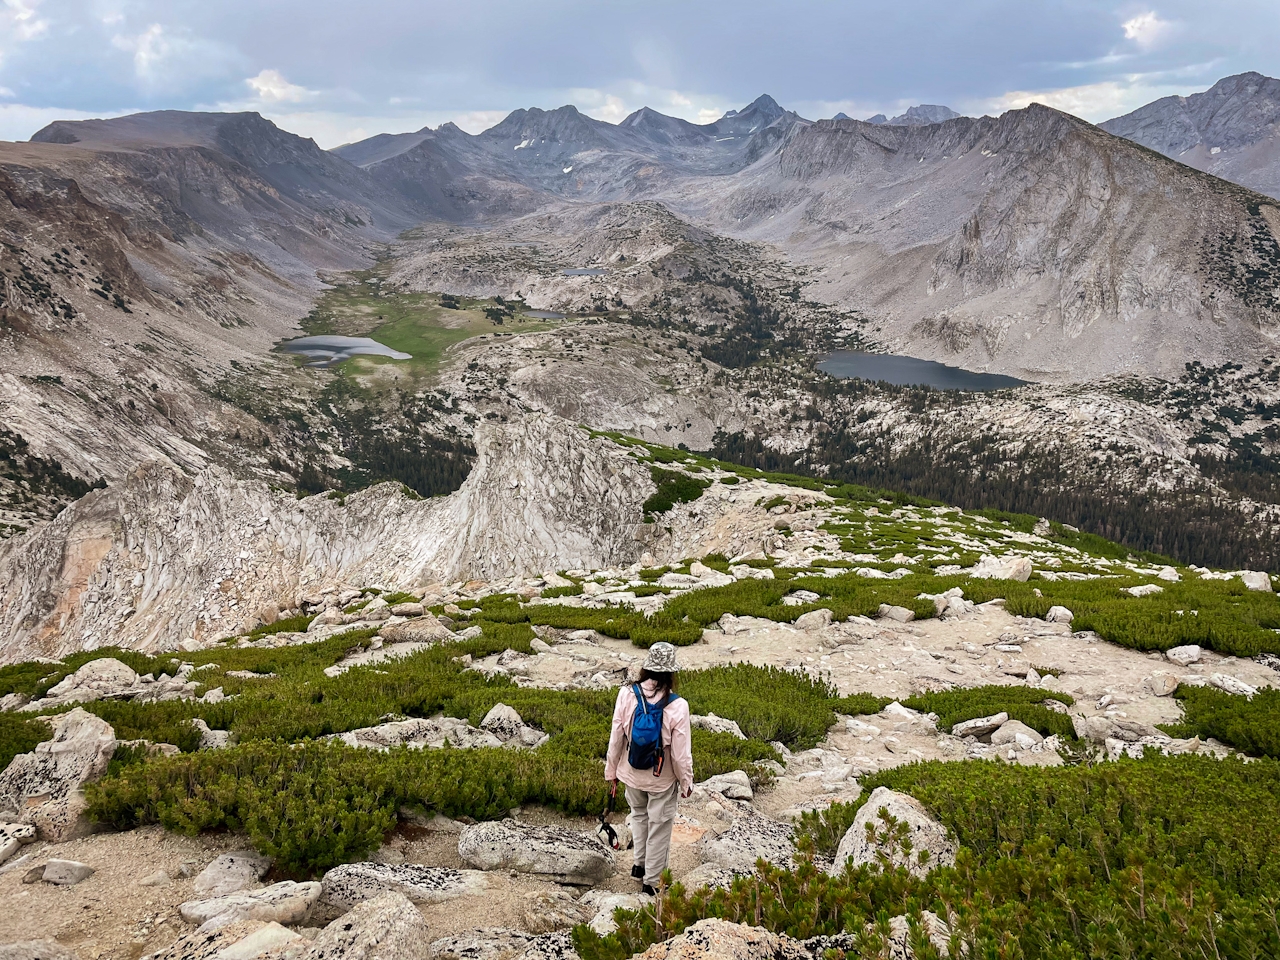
1094	102
22	21
1147	30
19	121
271	87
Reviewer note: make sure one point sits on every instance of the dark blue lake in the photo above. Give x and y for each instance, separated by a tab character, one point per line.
908	371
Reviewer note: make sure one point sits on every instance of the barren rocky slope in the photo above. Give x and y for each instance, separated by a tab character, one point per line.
163	556
1228	130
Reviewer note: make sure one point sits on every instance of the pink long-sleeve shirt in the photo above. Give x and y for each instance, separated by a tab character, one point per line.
676	743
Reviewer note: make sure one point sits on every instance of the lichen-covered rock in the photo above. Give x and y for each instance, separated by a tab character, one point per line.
239	939
422	629
351	883
419	733
231	873
717	725
503	722
925	833
45	787
735	785
723	940
490	943
750	838
388	927
556	852
285	902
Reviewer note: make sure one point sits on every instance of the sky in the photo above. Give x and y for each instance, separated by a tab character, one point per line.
342	70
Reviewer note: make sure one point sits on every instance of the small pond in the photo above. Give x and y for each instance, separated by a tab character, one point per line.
585	272
326	351
908	371
543	315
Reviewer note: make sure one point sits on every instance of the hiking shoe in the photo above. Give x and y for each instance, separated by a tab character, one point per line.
637	872
645	888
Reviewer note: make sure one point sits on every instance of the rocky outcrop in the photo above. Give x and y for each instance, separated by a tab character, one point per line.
285	902
927	836
231	873
161	556
554	852
419	733
722	940
749	838
45	787
352	883
35	950
387	926
109	679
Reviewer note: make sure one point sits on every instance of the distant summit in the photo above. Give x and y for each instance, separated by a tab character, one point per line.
842	116
924	114
1228	130
878	119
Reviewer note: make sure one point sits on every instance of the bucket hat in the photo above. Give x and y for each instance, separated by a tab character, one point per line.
661	658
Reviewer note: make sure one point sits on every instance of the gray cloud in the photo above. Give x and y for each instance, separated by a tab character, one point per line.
336	69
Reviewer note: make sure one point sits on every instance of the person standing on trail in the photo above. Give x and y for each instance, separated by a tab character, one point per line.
650	752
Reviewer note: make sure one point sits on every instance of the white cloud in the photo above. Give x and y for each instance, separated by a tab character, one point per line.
1094	102
1146	29
21	21
271	87
7	93
18	121
149	48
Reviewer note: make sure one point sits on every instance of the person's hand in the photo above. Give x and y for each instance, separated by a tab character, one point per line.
686	791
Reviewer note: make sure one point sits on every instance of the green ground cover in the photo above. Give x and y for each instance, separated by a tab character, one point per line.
1164	858
415	323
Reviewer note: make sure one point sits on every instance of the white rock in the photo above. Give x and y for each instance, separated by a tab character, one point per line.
1144	590
94	680
351	883
708	875
556	852
45	787
716	725
1161	684
723	940
1255	580
1169	575
605	903
1229	684
211	739
814	620
895	709
979	726
1184	656
1058	614
231	873
900	614
1017	733
503	722
1002	568
285	902
66	873
925	833
735	785
749	838
388	927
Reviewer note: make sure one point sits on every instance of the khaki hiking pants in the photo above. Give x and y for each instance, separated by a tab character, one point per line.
652	817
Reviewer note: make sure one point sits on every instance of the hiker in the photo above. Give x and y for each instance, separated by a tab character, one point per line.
649	751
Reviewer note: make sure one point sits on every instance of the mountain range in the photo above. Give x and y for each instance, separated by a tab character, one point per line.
148	258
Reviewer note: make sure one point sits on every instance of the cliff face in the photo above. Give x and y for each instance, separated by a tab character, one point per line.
1229	130
164	555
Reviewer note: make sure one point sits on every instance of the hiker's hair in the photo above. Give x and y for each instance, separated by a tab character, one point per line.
665	681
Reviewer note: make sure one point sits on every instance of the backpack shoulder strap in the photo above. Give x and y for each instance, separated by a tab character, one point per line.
641	703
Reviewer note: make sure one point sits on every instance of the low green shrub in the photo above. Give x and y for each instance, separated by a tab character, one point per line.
673	487
295	624
1163	858
1249	724
768	703
20	734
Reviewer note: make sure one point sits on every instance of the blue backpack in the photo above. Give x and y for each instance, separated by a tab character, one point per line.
645	750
